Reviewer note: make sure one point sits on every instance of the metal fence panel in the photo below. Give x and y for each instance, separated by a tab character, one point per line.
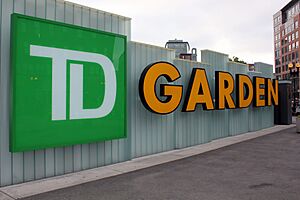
238	118
192	128
221	122
151	133
267	112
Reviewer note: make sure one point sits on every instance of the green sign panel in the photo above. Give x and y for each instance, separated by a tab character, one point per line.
68	84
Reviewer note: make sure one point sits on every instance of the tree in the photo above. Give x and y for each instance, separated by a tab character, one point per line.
236	59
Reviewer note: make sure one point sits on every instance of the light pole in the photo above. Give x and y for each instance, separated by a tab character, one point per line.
295	75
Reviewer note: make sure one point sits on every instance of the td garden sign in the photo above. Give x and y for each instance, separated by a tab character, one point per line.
69	86
261	91
68	82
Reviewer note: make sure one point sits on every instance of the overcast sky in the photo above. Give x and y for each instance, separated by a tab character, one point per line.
239	28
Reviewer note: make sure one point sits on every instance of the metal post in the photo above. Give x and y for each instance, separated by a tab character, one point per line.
296	91
293	90
294	76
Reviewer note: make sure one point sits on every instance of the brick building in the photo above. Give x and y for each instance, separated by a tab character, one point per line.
286	44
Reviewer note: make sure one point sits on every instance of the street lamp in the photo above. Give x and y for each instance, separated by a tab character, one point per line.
295	74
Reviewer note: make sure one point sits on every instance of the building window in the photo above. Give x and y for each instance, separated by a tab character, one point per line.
296	24
297	44
276	37
297	34
293	36
277	53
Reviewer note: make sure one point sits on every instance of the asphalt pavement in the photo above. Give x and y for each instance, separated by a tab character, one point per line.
264	168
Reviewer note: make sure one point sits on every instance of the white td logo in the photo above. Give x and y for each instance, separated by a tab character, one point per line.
59	79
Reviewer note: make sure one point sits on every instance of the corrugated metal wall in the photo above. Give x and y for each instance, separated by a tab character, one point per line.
20	167
267	112
203	126
220	118
192	128
261	117
148	133
238	118
255	114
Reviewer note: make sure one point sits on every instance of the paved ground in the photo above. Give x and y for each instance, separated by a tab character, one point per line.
263	168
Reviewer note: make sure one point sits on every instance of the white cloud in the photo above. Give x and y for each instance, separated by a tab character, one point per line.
236	27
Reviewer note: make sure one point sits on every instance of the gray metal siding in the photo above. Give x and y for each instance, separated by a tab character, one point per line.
255	114
151	133
238	118
219	63
192	128
203	126
267	113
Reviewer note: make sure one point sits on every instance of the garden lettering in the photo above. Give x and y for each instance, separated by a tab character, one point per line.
261	91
